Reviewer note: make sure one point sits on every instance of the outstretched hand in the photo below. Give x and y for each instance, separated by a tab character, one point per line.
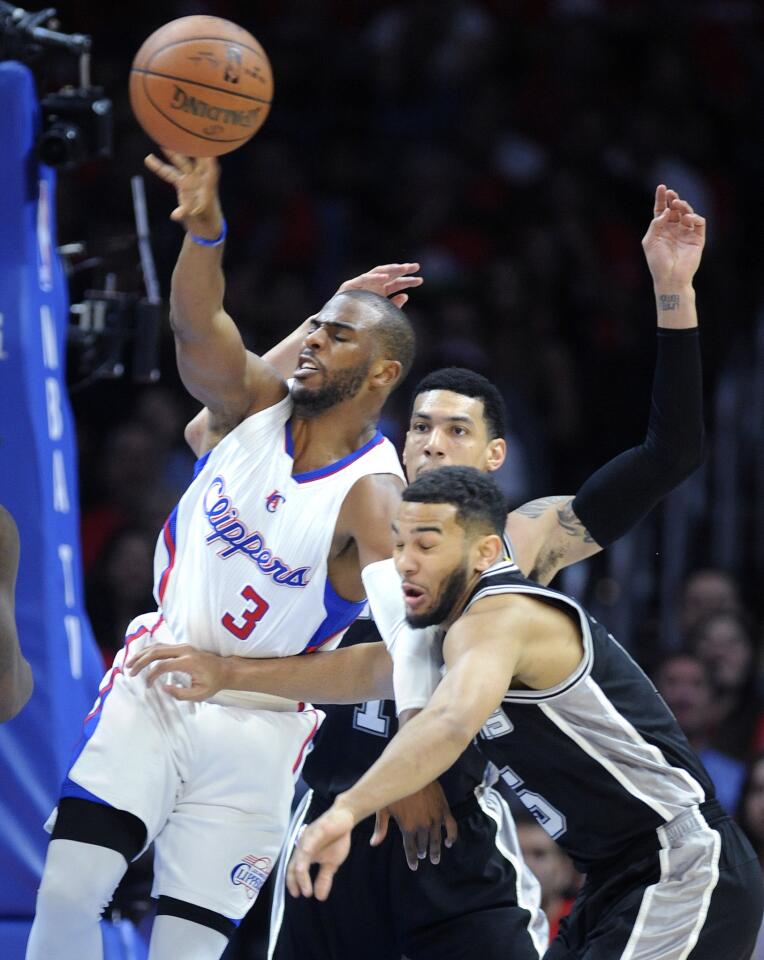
674	240
387	280
326	841
195	180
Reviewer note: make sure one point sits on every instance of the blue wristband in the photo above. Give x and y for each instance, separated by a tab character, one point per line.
204	242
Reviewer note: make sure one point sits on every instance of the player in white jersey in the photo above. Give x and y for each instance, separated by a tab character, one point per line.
262	556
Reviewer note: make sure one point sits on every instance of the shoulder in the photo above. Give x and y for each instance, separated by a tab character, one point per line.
547	535
374	491
512	614
504	609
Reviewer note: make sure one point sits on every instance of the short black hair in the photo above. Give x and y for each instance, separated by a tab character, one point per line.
469	384
476	496
395	334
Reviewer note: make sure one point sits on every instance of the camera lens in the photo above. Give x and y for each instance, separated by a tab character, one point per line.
61	144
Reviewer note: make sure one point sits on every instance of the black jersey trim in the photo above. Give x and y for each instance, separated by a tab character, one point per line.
585	665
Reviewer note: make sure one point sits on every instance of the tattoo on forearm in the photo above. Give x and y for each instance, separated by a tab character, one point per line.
570	523
536	508
669	301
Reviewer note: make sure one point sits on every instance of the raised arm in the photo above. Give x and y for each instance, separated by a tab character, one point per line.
213	362
554	532
16	681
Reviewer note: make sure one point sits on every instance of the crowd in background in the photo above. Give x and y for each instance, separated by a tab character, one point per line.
512	148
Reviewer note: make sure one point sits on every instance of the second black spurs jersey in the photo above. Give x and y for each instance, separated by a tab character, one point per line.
599	759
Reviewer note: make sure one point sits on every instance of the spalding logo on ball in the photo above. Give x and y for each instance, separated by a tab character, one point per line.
201	86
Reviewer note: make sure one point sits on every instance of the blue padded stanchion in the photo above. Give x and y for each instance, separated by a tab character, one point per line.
38	484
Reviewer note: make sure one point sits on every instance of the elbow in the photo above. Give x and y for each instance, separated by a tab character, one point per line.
674	464
685	460
456	728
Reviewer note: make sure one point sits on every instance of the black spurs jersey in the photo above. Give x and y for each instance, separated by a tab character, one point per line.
599	759
352	737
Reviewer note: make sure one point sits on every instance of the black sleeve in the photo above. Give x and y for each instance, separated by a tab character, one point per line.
622	492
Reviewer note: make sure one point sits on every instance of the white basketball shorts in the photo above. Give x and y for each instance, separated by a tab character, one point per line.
213	784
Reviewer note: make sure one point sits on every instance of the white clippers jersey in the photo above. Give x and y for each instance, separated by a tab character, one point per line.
241	564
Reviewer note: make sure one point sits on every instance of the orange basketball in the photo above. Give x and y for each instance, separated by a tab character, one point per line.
201	86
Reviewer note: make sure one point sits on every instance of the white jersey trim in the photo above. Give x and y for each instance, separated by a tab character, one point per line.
616	772
687	874
699	794
585	665
279	880
527	887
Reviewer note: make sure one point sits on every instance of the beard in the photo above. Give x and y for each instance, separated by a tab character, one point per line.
454	588
337	387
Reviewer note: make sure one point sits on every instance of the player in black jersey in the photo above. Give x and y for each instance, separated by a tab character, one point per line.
573	724
472	902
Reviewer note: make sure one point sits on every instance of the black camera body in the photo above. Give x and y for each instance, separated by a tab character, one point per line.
76	121
76	126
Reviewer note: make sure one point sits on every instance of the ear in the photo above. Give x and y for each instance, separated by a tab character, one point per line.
488	551
496	454
384	374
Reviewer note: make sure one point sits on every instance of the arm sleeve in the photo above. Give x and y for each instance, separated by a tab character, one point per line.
415	653
622	492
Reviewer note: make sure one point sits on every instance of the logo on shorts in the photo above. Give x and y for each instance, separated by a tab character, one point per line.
273	501
251	873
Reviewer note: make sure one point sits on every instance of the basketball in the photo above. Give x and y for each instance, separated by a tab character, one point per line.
201	86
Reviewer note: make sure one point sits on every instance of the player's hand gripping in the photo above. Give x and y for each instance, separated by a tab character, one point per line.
207	670
388	280
326	842
421	818
674	240
196	183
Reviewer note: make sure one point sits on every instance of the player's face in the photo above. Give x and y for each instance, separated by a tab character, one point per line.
683	684
753	805
432	556
448	429
335	358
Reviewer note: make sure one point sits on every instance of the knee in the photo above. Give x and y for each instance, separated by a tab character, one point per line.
68	890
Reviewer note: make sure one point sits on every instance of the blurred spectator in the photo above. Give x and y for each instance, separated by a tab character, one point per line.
751	818
129	466
706	592
120	587
684	683
724	643
162	412
554	870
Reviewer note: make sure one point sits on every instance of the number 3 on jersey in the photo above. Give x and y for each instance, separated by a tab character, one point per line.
242	625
